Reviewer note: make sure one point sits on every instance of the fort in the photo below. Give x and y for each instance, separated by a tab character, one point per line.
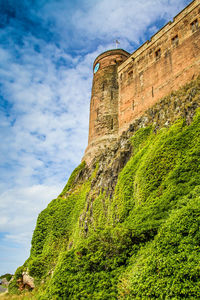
125	85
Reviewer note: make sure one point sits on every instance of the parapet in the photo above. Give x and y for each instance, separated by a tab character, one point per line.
111	57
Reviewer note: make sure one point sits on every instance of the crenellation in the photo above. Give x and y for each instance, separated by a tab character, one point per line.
126	85
191	10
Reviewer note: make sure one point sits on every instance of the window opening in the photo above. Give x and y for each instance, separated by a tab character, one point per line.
97	113
103	85
158	54
194	25
111	95
152	92
175	40
130	74
111	124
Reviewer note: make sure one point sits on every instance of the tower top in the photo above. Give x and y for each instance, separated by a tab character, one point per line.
109	53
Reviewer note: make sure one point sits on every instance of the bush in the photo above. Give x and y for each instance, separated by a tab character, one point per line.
168	268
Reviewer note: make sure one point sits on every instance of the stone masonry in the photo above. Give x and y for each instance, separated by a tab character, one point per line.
126	85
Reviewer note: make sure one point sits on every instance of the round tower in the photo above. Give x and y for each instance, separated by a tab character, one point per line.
103	125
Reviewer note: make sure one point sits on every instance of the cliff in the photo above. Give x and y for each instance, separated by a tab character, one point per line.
127	226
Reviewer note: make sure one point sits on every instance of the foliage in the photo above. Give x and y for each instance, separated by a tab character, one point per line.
91	270
13	286
7	276
153	193
168	268
75	173
143	243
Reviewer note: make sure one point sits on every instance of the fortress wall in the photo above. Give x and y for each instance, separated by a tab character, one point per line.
168	61
125	86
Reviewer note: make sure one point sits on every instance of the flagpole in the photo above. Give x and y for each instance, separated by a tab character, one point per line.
116	43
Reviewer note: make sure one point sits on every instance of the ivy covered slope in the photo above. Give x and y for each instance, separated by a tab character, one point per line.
128	226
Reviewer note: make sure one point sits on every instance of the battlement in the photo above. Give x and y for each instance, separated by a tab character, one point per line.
110	53
158	35
126	85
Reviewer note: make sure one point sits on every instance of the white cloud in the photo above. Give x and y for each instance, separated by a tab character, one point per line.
19	210
44	136
107	20
20	207
127	19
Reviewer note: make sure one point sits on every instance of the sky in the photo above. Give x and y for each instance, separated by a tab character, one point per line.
47	49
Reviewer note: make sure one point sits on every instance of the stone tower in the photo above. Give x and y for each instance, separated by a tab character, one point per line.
103	125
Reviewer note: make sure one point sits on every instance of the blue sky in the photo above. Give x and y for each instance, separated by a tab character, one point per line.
47	49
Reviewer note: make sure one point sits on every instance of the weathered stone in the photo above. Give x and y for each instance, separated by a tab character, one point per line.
28	280
5	281
126	86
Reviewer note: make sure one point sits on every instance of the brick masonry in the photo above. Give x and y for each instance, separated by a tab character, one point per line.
126	85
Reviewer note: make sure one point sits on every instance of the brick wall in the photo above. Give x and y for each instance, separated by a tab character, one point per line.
125	85
168	61
103	125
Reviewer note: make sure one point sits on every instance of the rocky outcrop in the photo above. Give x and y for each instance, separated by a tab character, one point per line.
2	290
25	282
28	280
5	281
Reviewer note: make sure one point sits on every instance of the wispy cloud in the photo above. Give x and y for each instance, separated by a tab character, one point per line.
19	209
46	53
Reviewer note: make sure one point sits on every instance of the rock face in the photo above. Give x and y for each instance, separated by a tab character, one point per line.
25	282
28	280
2	289
5	281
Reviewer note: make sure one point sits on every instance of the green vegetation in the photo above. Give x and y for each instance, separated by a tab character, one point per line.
168	267
13	286
8	276
54	227
71	182
143	243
